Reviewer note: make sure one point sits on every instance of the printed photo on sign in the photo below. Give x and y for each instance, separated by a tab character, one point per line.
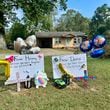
72	64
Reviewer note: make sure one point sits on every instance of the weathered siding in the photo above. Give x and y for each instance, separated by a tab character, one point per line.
63	44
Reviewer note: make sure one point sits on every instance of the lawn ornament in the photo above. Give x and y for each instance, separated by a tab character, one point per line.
86	46
7	67
26	47
40	79
85	79
31	41
24	50
63	70
6	62
21	41
98	41
59	83
18	44
28	82
34	50
66	79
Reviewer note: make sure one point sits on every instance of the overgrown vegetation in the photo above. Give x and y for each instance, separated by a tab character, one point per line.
101	20
96	97
33	11
70	21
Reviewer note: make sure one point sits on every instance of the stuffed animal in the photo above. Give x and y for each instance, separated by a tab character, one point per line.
27	46
40	79
31	41
34	50
18	44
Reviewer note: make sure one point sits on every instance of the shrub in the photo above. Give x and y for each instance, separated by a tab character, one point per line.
107	51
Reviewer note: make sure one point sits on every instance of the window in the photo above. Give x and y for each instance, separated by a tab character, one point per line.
57	40
77	41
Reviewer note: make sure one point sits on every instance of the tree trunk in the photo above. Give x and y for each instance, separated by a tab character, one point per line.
2	22
2	31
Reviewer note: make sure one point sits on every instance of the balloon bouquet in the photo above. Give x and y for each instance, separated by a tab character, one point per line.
95	45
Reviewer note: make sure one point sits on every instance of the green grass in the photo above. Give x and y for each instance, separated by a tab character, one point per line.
6	51
96	97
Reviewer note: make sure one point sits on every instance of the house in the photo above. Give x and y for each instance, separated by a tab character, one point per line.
59	39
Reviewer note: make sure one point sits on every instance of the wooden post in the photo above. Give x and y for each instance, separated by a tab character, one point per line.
85	83
18	87
18	82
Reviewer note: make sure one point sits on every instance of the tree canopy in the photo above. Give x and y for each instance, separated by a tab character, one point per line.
72	21
34	10
17	30
100	22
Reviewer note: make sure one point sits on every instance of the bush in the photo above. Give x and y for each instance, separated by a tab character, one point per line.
107	51
17	30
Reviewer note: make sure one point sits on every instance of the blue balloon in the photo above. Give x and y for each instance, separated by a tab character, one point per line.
98	41
95	53
86	46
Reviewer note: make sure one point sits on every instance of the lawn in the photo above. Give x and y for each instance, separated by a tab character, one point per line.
96	97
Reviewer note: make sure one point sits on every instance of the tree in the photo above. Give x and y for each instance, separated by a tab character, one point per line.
72	21
17	30
101	20
34	10
100	24
45	24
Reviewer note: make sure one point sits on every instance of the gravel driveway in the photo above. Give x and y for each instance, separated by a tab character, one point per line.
52	52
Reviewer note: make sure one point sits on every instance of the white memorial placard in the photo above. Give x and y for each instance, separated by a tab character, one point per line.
23	67
76	64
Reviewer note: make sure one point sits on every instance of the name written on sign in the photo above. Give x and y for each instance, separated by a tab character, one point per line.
24	61
71	62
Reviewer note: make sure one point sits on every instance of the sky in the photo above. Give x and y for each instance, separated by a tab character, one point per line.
85	7
19	13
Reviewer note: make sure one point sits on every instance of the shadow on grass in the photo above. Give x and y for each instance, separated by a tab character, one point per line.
2	86
2	83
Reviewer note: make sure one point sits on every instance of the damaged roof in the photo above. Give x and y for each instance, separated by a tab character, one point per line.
58	34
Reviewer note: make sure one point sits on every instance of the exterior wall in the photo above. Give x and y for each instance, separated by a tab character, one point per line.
77	41
64	43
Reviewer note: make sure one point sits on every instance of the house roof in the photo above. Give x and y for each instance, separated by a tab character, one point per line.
58	34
